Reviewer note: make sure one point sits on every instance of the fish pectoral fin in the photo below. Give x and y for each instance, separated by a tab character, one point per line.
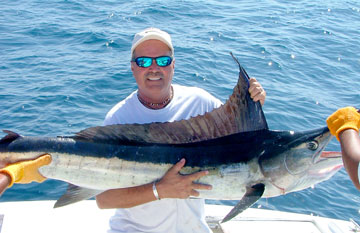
74	194
252	195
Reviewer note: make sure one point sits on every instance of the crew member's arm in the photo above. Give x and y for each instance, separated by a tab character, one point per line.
172	185
345	124
350	148
23	172
4	182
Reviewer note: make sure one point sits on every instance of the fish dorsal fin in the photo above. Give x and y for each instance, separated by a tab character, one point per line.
11	136
239	114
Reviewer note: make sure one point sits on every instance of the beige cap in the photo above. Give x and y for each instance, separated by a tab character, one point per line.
151	34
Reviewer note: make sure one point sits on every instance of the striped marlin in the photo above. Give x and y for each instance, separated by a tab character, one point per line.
245	160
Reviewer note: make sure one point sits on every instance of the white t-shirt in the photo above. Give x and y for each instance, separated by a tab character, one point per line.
166	215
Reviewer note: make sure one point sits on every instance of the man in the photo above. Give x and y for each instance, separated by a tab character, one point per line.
162	206
22	172
345	125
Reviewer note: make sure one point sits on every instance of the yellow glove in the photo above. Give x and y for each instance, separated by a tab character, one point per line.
343	118
27	171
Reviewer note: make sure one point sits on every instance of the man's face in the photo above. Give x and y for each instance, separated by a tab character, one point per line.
153	82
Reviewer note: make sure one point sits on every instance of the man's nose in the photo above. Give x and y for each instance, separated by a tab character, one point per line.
154	65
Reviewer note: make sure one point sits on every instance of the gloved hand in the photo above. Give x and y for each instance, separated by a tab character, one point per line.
343	118
26	171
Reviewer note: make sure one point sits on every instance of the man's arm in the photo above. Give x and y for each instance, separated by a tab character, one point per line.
172	185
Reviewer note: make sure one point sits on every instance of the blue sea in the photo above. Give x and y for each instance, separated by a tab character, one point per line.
64	64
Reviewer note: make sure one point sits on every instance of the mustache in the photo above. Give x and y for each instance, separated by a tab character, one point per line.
154	74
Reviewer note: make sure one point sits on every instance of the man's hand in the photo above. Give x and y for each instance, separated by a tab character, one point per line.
176	185
26	171
257	92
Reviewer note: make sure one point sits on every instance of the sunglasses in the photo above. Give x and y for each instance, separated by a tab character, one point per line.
147	61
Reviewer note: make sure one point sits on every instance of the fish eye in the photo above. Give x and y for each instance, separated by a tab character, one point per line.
313	145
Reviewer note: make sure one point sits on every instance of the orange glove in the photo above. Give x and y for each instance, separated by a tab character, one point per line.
343	118
26	171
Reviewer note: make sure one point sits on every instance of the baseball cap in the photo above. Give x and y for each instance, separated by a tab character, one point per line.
151	34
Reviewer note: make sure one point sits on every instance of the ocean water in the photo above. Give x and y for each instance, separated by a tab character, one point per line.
64	64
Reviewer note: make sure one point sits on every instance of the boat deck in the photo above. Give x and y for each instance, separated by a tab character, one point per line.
40	217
